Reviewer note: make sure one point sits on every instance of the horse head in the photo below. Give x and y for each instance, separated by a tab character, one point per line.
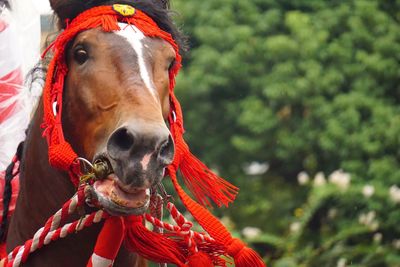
115	106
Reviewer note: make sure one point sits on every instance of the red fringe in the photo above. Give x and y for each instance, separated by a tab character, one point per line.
200	259
214	252
109	23
248	257
200	180
204	184
242	255
153	246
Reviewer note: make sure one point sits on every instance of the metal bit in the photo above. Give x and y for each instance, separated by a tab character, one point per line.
101	169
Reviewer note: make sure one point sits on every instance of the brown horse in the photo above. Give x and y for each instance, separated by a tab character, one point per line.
116	102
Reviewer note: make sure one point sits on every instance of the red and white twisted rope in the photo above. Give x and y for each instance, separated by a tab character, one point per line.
52	230
183	227
156	210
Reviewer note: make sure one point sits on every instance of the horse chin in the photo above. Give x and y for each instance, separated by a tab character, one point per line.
118	199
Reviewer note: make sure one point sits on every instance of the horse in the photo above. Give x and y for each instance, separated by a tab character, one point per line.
115	107
112	79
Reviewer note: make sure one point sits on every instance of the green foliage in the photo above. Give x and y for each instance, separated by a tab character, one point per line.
341	224
297	87
301	85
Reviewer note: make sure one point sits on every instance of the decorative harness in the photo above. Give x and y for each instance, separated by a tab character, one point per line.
180	245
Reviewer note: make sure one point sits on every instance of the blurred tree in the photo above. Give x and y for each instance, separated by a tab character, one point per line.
291	87
300	85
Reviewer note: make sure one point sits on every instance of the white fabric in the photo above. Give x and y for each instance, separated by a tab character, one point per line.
27	21
10	57
19	47
98	261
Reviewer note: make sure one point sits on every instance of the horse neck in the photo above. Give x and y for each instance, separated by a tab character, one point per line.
43	189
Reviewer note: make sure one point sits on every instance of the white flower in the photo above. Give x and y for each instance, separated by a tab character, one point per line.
251	232
341	262
396	243
394	193
368	220
370	216
377	237
362	219
373	226
340	178
303	178
295	227
319	179
256	168
368	190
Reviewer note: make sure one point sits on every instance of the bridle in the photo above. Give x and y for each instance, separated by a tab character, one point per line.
61	154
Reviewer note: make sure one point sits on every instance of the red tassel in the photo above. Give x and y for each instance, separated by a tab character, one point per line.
235	248
153	246
109	23
200	180
244	256
199	259
204	184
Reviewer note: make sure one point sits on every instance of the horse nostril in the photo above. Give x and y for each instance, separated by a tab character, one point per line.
121	140
166	153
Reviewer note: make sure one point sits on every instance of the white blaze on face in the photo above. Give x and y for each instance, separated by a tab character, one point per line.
135	38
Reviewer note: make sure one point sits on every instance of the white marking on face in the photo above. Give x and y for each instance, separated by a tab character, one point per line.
145	161
135	38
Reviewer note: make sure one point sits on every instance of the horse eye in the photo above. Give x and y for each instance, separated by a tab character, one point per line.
171	65
81	55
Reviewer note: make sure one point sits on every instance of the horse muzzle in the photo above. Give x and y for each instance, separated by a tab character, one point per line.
138	161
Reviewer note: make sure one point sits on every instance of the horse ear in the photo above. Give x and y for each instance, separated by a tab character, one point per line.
66	9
